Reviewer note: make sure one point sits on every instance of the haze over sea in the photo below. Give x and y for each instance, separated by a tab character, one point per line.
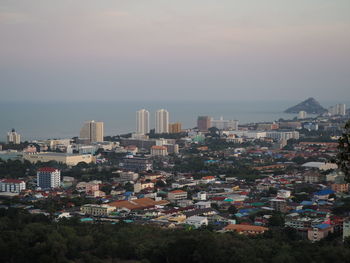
43	120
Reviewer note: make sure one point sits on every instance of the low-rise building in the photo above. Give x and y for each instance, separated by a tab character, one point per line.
340	188
12	185
279	205
159	150
136	204
128	176
65	158
203	204
136	164
177	195
207	179
314	177
97	210
282	135
139	186
197	221
302	223
246	229
283	193
320	165
319	232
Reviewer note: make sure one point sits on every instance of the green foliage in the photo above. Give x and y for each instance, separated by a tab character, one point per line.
232	210
14	168
343	156
276	220
343	208
33	238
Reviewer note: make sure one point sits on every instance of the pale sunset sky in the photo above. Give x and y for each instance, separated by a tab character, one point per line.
174	50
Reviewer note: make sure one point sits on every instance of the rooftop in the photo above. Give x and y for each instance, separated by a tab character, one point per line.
241	227
12	181
177	191
47	169
138	203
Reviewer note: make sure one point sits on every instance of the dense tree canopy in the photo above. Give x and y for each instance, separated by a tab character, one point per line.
343	157
33	238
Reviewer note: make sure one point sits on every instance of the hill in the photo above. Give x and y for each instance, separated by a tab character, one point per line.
310	105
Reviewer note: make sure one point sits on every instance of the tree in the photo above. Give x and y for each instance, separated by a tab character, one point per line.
214	132
160	183
343	156
232	209
276	220
107	189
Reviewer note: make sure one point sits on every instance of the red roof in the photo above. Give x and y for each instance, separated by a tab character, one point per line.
177	191
47	169
208	177
12	181
218	198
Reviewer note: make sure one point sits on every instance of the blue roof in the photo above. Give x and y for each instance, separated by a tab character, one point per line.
239	215
211	161
322	226
325	192
310	210
86	219
297	211
306	203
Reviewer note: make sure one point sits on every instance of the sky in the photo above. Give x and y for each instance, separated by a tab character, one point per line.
120	50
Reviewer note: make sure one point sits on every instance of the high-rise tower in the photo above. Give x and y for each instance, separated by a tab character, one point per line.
203	123
162	121
92	131
142	121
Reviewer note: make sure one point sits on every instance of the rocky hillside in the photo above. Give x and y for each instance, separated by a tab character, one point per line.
310	105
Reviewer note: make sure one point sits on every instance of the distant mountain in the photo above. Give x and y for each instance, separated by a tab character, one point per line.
310	105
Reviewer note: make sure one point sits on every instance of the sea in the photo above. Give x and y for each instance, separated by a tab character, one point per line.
53	120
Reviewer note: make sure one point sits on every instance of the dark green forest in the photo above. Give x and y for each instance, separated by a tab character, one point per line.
35	238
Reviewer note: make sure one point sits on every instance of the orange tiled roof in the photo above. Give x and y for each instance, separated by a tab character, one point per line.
208	177
244	228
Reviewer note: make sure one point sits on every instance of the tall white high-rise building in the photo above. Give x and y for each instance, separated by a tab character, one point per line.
142	121
13	137
162	121
339	109
342	109
92	131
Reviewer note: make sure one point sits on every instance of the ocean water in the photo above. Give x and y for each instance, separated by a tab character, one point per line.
43	120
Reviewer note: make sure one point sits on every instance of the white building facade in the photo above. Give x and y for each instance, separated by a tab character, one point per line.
142	121
48	177
162	121
222	124
12	185
13	137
